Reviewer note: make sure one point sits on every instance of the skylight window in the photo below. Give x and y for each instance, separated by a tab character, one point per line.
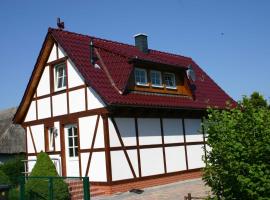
140	76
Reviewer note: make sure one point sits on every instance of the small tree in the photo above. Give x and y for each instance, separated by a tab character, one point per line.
238	162
45	167
4	180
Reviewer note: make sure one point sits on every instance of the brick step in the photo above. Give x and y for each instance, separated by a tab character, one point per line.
97	193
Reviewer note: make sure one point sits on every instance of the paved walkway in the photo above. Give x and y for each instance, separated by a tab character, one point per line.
173	191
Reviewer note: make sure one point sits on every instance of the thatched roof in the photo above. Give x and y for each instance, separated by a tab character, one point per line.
12	136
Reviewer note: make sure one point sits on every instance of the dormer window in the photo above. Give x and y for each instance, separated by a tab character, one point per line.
60	76
140	76
169	79
156	79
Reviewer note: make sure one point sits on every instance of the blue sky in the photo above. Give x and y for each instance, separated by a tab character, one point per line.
229	39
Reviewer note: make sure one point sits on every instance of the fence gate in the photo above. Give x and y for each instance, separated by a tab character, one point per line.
49	182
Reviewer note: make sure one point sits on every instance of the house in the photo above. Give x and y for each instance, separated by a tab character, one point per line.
124	115
12	136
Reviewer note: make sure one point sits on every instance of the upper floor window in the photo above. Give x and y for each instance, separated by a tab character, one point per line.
60	76
140	76
156	78
169	79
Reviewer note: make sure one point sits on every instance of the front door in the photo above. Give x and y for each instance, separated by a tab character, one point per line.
71	142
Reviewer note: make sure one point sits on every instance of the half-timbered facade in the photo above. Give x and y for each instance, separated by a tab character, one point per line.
117	113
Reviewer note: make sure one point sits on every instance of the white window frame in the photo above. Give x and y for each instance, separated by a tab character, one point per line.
160	78
145	77
174	83
64	77
73	141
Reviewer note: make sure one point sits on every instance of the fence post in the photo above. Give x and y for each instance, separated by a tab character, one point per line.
86	194
189	196
22	187
50	186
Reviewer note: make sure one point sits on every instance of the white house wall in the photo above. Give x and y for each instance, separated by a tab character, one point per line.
173	130
59	103
44	83
175	159
94	101
120	171
149	131
195	154
57	137
76	101
97	170
38	137
193	130
53	54
31	113
152	161
44	108
74	77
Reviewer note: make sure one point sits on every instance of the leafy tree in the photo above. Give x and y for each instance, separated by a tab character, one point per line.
13	168
238	159
4	179
39	187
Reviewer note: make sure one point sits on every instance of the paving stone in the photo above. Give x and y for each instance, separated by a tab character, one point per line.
173	191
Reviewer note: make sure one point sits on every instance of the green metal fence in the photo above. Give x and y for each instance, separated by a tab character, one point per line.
50	179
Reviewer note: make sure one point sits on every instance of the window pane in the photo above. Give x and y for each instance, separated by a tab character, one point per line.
70	142
75	141
71	152
169	80
140	76
70	132
76	151
156	78
75	131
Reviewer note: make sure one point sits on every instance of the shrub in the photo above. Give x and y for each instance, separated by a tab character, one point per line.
13	194
4	179
238	164
45	167
13	168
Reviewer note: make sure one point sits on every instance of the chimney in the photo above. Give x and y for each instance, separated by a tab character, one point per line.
141	42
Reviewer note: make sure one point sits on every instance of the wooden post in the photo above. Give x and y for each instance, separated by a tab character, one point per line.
107	148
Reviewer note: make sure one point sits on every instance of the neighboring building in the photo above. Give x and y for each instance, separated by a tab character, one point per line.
124	115
12	136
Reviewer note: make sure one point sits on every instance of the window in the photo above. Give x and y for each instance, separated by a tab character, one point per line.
72	141
169	79
156	78
140	76
60	76
52	134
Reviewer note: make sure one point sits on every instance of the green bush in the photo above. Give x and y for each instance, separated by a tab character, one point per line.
4	179
39	187
238	162
13	194
13	168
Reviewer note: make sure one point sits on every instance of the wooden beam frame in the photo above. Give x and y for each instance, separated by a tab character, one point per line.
32	138
92	146
123	146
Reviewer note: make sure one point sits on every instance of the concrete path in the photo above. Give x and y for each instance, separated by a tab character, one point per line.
173	191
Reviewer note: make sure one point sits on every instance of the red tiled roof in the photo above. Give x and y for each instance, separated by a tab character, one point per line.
116	57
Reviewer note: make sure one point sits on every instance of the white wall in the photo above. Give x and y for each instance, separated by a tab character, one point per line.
74	76
57	138
59	104
87	128
173	130
44	83
52	55
120	166
93	99
175	159
76	101
152	161
97	170
193	130
38	136
31	113
149	131
195	153
44	108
